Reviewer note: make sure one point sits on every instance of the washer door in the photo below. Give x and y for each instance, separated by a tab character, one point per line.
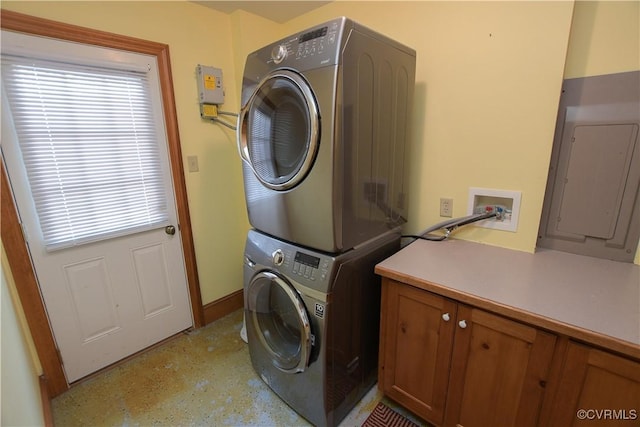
280	320
279	130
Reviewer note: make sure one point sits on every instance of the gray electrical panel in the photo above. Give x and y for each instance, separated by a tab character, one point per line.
592	201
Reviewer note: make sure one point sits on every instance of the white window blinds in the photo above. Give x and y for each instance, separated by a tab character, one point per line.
89	145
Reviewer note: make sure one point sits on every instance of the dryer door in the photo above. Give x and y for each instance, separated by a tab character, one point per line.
279	130
280	321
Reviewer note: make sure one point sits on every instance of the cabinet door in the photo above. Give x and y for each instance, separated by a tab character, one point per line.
499	371
596	388
417	349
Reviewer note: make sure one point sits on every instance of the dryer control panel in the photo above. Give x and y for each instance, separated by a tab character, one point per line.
314	42
312	48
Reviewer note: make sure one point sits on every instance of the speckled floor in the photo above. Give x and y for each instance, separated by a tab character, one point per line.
203	378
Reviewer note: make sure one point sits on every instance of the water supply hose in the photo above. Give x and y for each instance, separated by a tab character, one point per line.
450	226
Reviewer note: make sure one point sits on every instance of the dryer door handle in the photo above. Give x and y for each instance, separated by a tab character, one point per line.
242	136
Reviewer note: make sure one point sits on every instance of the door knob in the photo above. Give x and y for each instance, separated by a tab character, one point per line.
170	230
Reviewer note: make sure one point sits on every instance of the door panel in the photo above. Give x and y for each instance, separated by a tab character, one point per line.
418	342
152	278
108	300
596	388
89	287
105	300
498	371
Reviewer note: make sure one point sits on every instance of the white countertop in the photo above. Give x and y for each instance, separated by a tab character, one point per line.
590	294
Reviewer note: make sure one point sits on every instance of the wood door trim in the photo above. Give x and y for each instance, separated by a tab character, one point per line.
28	291
12	238
47	411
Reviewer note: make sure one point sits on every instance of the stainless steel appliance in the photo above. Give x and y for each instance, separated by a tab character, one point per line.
324	134
312	321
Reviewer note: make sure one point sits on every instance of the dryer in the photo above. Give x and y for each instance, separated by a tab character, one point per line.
323	133
312	322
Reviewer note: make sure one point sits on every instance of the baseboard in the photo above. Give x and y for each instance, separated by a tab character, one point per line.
47	413
223	306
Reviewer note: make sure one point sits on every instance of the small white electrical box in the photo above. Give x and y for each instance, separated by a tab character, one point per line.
210	85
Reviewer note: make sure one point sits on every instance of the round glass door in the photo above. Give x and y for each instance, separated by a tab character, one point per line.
280	321
279	130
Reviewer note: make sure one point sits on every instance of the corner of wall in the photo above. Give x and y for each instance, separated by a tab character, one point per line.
22	320
263	31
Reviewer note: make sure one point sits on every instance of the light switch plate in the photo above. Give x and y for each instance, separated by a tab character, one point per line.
446	207
192	161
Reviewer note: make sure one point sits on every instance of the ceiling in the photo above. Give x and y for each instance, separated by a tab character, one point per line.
277	11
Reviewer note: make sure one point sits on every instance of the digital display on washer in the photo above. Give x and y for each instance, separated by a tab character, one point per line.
306	259
313	34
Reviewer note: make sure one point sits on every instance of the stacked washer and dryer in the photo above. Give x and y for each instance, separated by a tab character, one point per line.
324	135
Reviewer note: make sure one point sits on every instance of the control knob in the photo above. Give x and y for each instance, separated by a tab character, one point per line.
279	53
278	257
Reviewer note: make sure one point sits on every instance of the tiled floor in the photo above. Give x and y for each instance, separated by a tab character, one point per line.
203	378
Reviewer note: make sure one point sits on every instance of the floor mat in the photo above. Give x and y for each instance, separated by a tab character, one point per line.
383	416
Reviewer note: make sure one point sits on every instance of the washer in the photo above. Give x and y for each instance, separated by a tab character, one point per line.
312	322
324	132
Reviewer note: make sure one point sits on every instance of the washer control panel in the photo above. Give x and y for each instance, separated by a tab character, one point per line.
305	266
310	267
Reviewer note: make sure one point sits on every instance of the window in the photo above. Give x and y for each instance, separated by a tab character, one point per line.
88	140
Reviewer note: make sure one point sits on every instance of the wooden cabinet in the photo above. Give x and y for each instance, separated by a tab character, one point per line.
416	345
596	388
499	371
544	336
453	364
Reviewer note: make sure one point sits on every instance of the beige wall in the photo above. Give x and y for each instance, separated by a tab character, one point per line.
488	80
605	38
195	35
251	32
21	403
487	89
487	86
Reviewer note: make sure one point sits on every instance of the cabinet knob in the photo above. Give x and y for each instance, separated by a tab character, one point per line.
462	324
446	317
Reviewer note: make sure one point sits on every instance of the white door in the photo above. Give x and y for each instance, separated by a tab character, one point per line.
111	293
